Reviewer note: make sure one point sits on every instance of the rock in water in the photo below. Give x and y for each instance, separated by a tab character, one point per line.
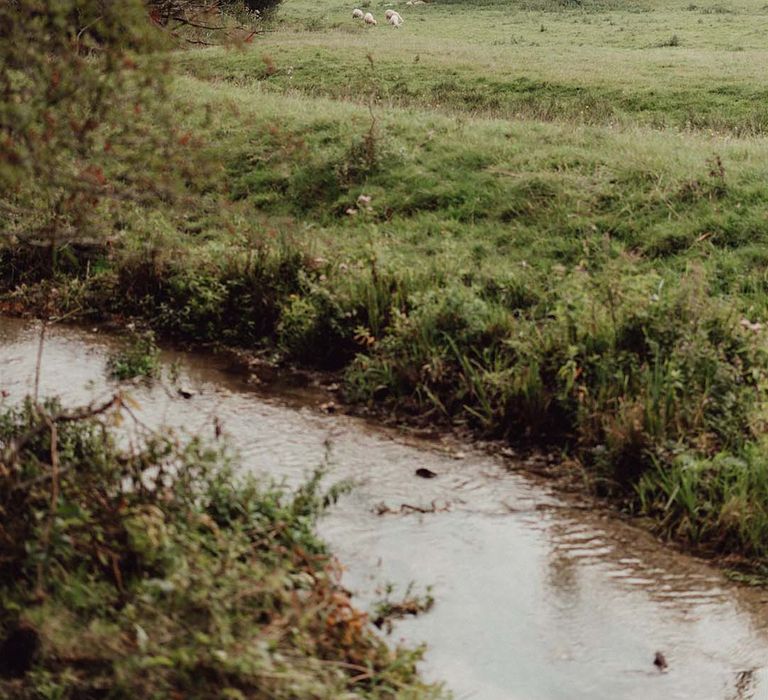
425	473
660	661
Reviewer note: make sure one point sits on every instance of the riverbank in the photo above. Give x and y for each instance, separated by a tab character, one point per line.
590	284
158	568
577	598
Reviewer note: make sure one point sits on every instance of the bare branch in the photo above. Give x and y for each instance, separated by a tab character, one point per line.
11	453
39	362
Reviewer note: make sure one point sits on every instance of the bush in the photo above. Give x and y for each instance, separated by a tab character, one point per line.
78	94
139	358
152	571
262	6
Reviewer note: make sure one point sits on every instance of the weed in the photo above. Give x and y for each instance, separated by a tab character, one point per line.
140	358
409	604
153	570
674	40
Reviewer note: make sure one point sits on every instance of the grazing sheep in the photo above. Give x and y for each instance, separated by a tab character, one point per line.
369	19
357	14
396	20
389	14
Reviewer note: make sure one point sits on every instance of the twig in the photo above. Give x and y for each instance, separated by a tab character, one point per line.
54	502
12	451
39	362
138	420
86	28
197	25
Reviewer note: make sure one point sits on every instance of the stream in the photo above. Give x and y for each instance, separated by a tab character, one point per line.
536	598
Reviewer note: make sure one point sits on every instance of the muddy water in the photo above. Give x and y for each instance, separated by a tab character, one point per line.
536	598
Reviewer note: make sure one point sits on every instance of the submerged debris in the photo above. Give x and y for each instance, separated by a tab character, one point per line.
425	473
383	509
411	604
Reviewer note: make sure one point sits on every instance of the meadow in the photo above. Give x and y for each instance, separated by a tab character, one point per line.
544	222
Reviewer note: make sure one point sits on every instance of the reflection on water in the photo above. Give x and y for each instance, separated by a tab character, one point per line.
536	600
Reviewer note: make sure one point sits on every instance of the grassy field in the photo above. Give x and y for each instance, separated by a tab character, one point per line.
543	221
674	65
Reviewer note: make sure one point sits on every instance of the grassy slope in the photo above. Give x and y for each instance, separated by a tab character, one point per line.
538	260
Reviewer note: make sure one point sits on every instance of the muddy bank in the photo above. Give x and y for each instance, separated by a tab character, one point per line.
535	598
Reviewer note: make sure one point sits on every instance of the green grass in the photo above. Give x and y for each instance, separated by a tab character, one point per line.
553	237
613	64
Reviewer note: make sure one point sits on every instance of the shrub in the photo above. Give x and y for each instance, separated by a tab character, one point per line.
78	94
262	6
139	358
150	570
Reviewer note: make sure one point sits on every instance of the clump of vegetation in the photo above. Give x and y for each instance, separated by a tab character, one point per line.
673	41
153	571
80	91
409	604
720	500
139	358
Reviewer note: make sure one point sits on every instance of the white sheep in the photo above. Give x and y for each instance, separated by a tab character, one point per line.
389	14
396	20
369	19
357	14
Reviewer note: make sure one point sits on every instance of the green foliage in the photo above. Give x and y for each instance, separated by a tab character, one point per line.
154	571
80	92
227	294
139	358
719	502
262	6
629	371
